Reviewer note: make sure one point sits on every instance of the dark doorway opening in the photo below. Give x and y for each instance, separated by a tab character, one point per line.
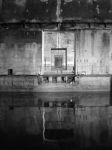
58	61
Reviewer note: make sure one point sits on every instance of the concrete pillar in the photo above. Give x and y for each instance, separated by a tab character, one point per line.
35	81
51	104
42	79
50	79
59	79
66	78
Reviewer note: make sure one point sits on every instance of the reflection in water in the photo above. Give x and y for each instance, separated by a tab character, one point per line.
56	120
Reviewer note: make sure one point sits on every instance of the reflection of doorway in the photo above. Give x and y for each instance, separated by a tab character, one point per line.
58	61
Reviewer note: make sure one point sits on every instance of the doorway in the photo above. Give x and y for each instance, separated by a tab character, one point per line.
58	61
59	58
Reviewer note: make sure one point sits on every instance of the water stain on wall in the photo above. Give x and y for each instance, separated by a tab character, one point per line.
92	41
105	46
105	39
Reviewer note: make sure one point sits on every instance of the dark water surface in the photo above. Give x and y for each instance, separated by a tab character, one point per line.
56	121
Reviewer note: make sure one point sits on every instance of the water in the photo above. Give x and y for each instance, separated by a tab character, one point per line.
56	120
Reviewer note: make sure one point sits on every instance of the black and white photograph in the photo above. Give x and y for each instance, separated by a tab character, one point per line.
56	74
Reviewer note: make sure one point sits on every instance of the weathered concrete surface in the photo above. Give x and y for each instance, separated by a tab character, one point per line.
86	10
93	51
18	83
83	84
28	10
20	50
30	83
94	82
89	50
55	10
21	45
64	40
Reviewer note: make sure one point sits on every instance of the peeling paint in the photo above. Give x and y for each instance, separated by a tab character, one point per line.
20	2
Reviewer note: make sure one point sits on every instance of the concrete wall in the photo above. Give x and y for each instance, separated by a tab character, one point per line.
94	83
93	53
92	48
18	83
58	40
30	83
55	10
20	50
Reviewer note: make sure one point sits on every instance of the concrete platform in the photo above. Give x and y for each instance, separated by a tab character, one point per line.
31	84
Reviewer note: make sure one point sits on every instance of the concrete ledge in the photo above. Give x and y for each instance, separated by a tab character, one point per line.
30	83
94	82
18	82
